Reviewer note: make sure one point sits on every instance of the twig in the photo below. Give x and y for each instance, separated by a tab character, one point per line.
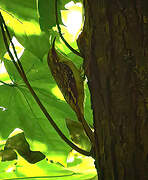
60	33
20	70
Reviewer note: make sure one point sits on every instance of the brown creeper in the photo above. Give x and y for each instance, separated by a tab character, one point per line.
70	82
68	78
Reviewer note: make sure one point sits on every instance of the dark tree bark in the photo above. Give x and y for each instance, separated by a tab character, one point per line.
114	43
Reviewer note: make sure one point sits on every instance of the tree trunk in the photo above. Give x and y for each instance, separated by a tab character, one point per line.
114	43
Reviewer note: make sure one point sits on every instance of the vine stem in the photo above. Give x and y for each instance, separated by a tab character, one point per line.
60	33
20	70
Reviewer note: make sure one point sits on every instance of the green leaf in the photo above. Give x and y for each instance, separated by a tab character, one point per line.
26	29
19	143
26	10
46	11
47	16
2	46
8	155
77	134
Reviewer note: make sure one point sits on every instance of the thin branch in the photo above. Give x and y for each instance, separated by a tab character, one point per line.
60	33
23	75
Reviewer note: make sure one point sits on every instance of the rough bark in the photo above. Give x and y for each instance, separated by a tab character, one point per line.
114	43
